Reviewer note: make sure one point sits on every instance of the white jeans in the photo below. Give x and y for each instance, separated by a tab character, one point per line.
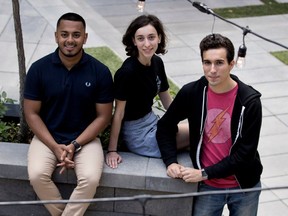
88	168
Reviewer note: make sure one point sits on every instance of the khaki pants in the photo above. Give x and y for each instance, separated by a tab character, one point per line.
88	168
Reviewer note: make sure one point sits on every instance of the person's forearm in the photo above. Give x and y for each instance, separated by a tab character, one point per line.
166	99
166	138
40	130
116	125
93	130
114	134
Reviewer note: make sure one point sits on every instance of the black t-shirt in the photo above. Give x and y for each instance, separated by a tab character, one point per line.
138	85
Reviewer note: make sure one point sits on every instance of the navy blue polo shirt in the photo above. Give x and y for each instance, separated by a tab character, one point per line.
68	97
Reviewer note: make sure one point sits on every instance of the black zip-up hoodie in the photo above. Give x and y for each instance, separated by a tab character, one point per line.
190	103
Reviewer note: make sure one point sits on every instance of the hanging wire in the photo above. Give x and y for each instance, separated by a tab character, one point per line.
213	25
205	9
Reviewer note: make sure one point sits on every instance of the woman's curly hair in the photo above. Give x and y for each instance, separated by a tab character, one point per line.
139	22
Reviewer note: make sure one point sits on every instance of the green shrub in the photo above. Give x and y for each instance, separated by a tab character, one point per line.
9	131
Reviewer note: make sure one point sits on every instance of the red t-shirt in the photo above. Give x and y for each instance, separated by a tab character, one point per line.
217	140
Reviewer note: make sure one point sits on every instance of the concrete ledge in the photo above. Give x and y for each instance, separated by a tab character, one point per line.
135	175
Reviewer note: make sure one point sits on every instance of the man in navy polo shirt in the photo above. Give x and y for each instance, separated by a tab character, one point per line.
68	102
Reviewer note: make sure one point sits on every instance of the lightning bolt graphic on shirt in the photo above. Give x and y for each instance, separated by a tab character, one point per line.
215	129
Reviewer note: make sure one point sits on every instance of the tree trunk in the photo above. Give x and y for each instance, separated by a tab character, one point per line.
24	129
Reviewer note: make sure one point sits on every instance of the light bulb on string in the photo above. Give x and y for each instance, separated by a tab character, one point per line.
240	61
141	5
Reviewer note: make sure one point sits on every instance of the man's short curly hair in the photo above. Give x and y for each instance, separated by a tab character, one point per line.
215	41
71	17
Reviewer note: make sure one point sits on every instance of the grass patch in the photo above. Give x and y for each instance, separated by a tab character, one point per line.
269	7
173	88
282	56
106	56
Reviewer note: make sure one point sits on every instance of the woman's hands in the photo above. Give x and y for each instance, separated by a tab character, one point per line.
113	159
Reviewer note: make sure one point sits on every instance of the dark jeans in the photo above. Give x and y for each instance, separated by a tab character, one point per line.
239	204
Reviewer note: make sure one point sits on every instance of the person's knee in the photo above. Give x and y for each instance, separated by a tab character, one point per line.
89	181
36	177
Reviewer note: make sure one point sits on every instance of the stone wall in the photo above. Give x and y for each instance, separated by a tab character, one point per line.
134	177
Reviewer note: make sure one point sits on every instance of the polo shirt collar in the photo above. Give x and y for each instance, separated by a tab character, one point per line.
56	59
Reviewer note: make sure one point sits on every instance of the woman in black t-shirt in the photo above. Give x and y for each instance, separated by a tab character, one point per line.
140	78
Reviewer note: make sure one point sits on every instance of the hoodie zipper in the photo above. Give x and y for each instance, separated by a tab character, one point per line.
201	129
239	131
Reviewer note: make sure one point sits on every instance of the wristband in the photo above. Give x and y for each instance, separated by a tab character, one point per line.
77	146
204	174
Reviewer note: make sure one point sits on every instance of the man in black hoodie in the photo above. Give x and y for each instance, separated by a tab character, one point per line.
225	117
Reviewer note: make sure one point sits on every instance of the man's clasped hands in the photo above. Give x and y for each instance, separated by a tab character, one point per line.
188	174
65	155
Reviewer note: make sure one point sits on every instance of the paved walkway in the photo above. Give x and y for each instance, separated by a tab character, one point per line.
186	26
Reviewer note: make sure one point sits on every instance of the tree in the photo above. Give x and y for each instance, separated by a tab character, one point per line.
24	129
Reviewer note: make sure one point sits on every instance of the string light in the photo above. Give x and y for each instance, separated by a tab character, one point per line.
240	61
141	5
